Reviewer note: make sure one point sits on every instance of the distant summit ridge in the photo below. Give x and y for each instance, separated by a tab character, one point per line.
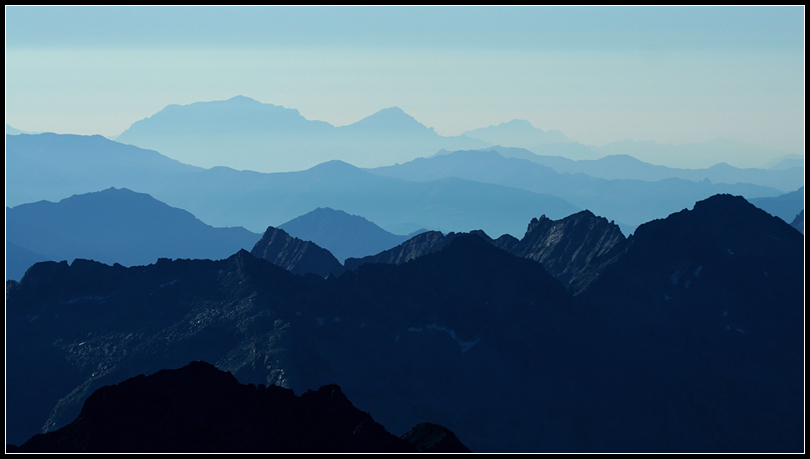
243	133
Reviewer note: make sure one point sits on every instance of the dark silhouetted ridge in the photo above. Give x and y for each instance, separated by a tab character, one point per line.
199	408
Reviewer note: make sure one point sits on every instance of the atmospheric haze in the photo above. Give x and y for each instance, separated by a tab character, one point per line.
598	75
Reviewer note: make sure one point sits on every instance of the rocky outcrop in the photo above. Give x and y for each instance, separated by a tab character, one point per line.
421	244
295	255
574	249
199	408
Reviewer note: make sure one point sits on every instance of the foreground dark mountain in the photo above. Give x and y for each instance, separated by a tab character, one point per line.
115	226
200	409
648	358
628	202
50	166
263	137
342	234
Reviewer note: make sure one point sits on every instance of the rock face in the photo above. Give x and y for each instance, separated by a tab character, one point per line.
415	247
574	249
200	409
295	255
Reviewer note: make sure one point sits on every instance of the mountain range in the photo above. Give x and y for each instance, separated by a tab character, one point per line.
626	167
270	138
628	202
688	338
113	226
48	164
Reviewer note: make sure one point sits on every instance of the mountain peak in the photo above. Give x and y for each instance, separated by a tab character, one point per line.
391	118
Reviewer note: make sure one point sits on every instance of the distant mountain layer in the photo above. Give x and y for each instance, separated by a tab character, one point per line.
628	202
690	339
517	133
785	206
342	234
113	226
626	167
243	133
694	155
51	166
200	409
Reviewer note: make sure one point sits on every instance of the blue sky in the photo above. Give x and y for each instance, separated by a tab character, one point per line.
673	75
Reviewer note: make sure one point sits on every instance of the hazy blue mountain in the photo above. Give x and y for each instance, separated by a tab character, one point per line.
517	133
245	134
785	206
628	202
626	167
19	259
785	162
692	339
296	255
114	226
342	234
221	196
52	166
694	155
13	131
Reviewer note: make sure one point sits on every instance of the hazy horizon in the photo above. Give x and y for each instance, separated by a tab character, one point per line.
599	75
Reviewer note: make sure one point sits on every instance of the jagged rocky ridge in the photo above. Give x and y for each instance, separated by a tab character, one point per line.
295	255
574	249
201	409
647	358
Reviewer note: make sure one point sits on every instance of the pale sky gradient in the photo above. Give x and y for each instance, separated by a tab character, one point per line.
673	75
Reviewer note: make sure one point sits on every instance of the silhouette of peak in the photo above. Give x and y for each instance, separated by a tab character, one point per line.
392	118
335	166
518	124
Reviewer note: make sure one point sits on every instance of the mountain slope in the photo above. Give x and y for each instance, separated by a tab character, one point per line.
295	255
785	206
117	226
200	409
342	234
